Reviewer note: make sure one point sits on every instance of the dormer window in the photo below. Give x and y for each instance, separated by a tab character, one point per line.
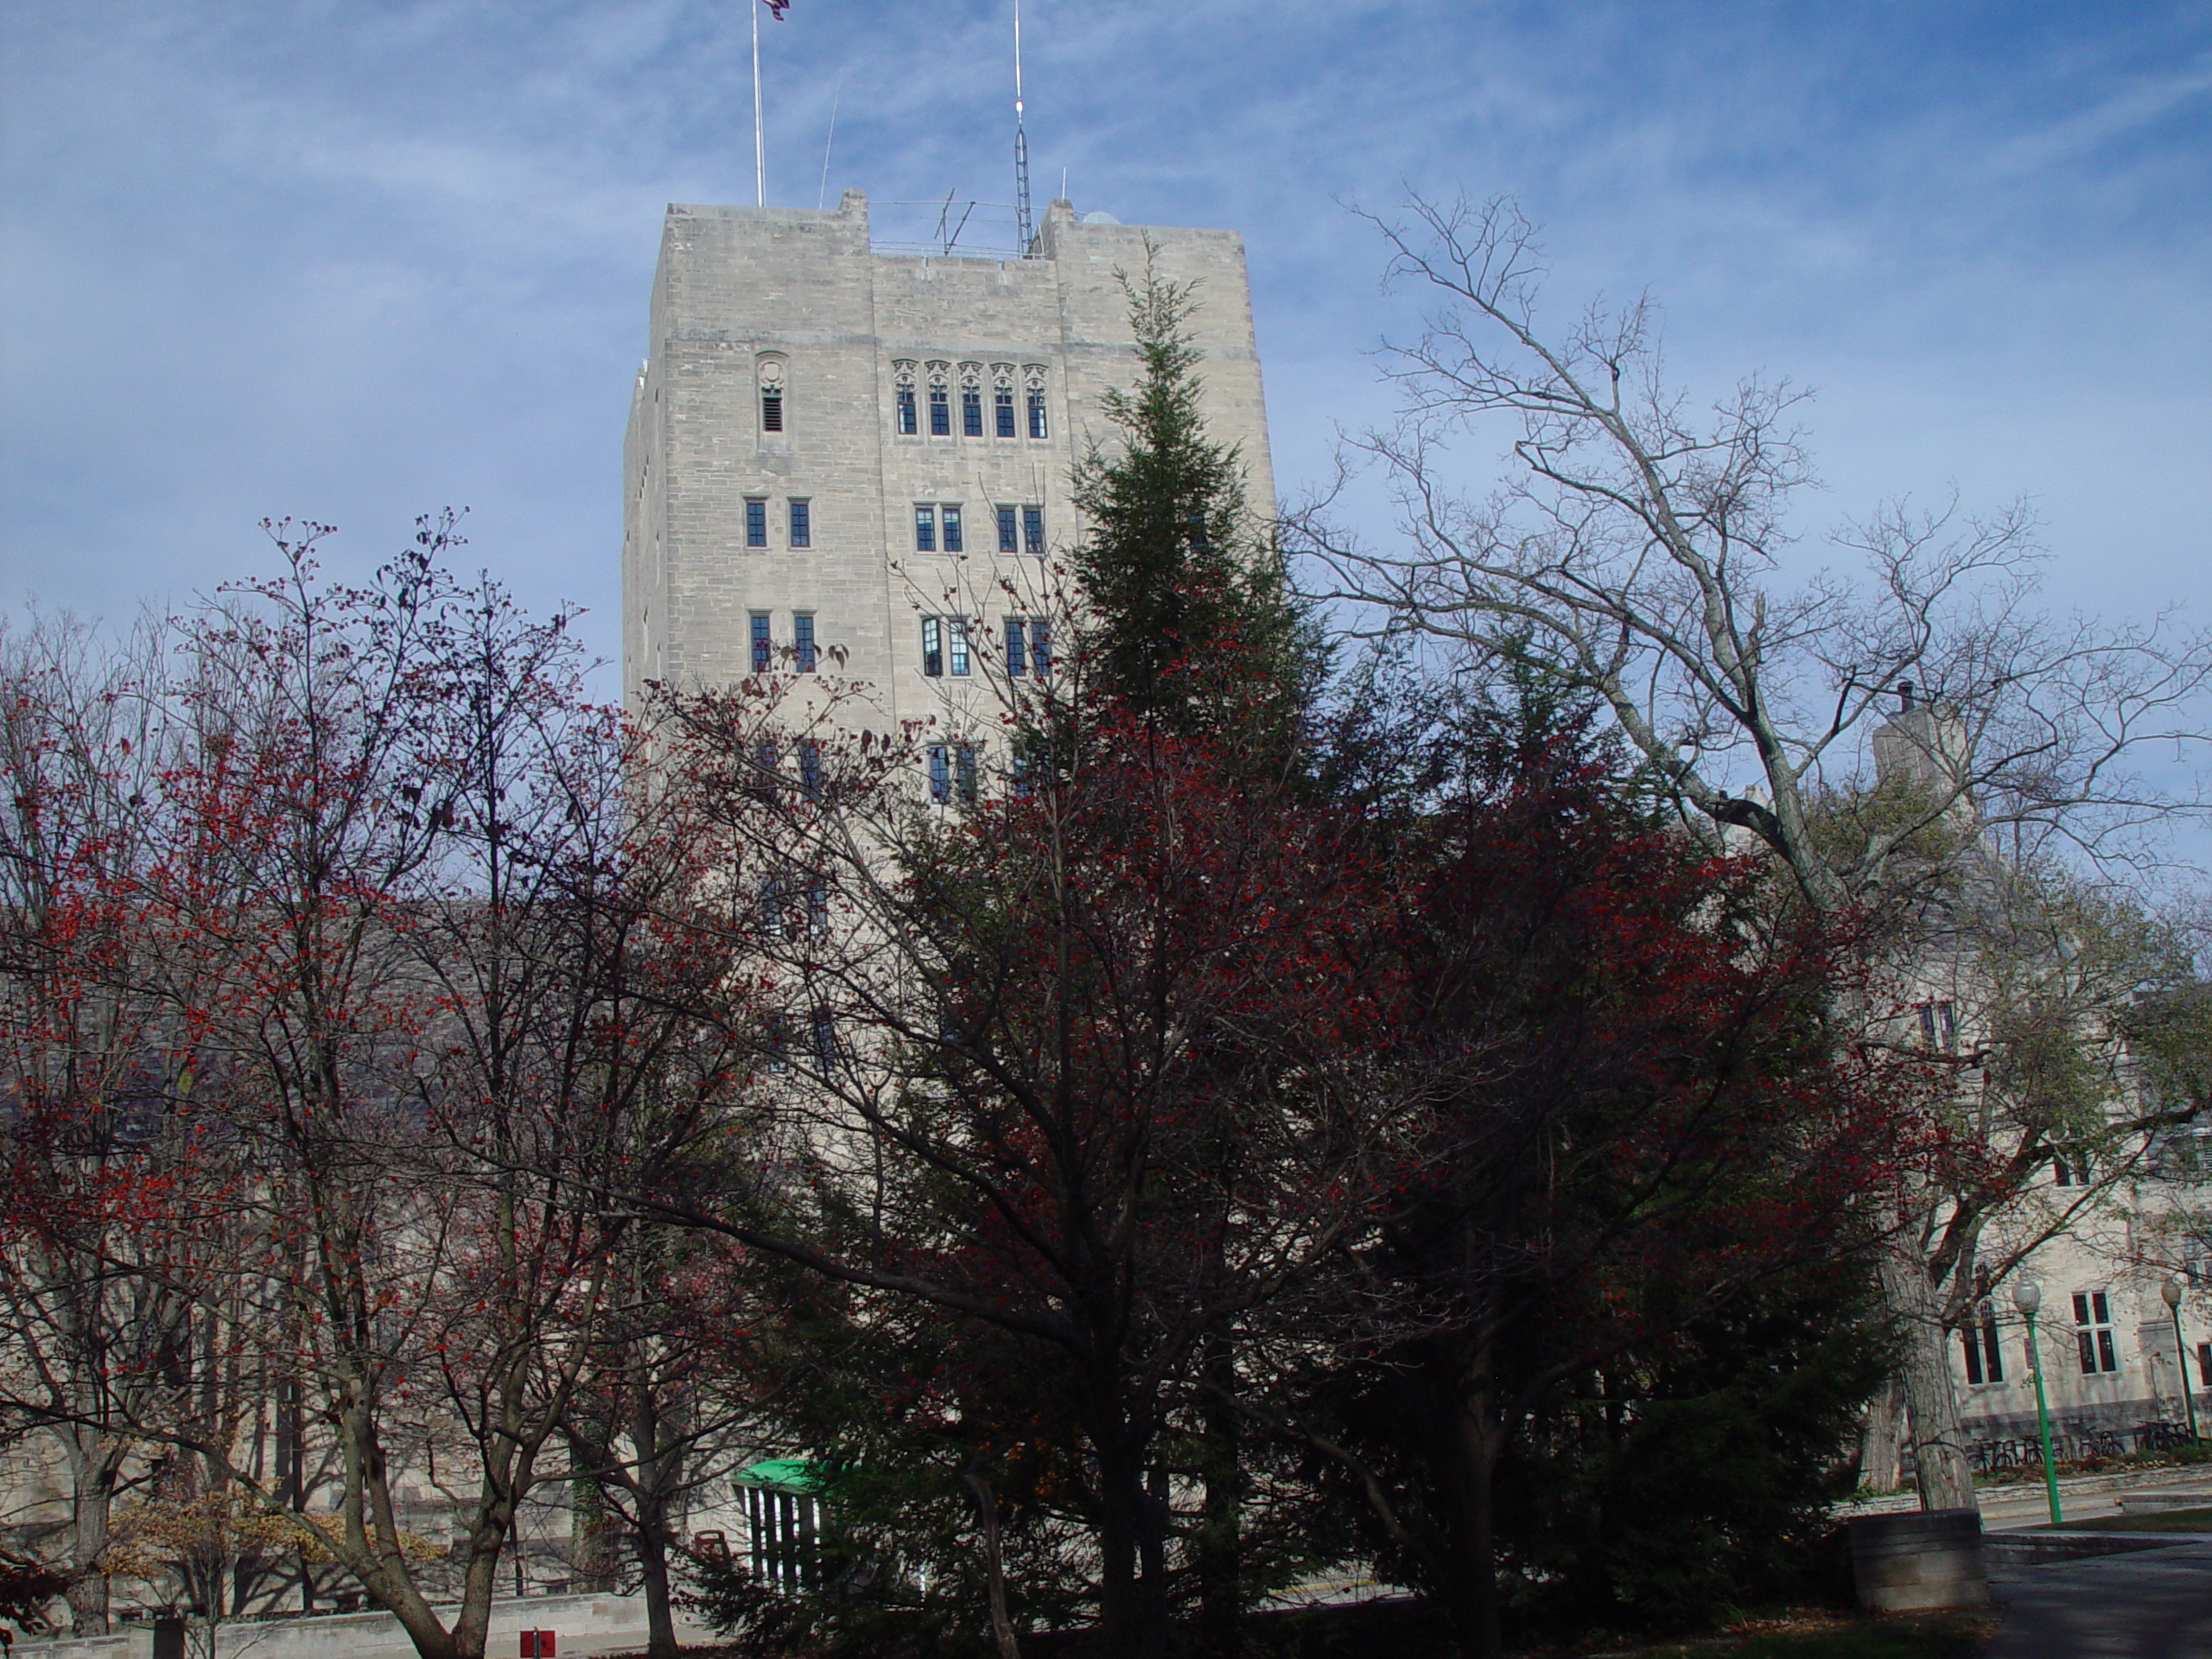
772	394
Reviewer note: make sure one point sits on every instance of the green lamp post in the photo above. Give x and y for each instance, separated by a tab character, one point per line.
2027	1296
2171	1291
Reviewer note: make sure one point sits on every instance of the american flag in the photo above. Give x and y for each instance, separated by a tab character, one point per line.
777	8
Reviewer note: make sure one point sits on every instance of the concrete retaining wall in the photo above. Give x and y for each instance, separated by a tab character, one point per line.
585	1625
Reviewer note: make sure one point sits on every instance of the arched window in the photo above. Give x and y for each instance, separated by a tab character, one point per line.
1002	400
772	394
940	400
971	400
1035	375
908	419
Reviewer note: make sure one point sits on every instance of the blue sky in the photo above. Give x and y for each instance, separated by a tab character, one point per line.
352	260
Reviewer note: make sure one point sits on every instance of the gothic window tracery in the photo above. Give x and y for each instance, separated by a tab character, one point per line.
1033	376
971	400
908	421
940	375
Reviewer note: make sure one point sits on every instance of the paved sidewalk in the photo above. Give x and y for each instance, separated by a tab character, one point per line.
2151	1604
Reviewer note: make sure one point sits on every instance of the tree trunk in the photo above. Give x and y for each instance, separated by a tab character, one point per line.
1942	1473
652	1565
91	1501
1220	1549
1121	1504
1152	1549
1466	1443
986	1503
1879	1465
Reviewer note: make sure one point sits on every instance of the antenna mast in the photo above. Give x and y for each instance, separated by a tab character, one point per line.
1021	142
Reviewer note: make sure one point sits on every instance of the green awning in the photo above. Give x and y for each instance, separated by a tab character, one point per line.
781	1475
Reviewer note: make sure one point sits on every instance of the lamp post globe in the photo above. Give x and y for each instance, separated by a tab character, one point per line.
2171	1293
2027	1296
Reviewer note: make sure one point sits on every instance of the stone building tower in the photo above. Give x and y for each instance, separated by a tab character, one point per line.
835	454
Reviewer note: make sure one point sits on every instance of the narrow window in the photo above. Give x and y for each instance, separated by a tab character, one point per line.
2070	1167
1007	531
971	411
1939	1027
1016	648
1984	1355
933	647
1020	773
802	524
1036	382
2092	1332
1040	647
2204	1364
956	630
940	774
907	423
924	529
803	641
771	397
810	768
778	1043
771	906
963	761
940	410
817	906
1033	529
1002	408
951	517
761	647
756	522
825	1041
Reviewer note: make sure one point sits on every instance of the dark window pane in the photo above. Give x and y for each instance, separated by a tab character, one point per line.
957	639
1002	406
2107	1359
1007	533
905	411
964	760
802	525
760	644
1973	1356
933	647
924	529
1033	529
2080	1309
803	643
2088	1353
940	774
1994	1350
771	411
940	413
1040	647
1036	414
971	412
951	517
1016	648
756	523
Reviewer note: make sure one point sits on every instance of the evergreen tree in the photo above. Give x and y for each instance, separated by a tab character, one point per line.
1188	620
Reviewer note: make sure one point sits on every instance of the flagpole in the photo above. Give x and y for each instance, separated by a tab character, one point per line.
760	148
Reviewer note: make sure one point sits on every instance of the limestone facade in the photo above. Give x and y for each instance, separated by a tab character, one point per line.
848	441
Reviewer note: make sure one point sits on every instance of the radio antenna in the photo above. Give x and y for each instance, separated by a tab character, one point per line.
1021	143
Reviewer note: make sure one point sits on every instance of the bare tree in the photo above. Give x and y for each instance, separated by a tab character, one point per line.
1635	550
